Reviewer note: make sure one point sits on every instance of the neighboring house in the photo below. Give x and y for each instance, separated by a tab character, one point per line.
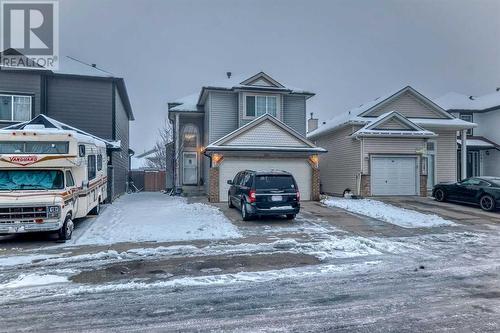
251	123
483	142
400	144
79	95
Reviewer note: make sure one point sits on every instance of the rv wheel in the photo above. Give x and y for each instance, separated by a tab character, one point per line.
66	230
97	209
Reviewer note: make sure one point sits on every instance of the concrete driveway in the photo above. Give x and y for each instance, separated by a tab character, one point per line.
461	213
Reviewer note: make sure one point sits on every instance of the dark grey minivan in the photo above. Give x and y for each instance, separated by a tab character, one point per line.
264	193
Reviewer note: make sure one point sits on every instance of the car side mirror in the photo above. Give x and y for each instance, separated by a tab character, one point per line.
230	182
85	183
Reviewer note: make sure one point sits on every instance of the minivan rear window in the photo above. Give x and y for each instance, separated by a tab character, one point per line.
274	182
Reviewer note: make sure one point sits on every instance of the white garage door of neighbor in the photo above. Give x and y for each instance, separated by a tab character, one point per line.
299	168
394	176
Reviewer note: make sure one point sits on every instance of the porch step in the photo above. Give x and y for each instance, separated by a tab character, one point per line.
193	191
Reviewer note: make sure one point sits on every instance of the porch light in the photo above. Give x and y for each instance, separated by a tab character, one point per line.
314	159
216	158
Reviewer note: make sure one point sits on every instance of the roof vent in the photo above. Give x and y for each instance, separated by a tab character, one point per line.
229	74
471	98
497	89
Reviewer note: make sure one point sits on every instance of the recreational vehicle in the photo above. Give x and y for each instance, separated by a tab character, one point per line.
49	176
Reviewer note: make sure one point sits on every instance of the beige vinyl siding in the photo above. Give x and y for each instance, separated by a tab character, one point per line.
446	155
263	134
408	105
393	124
403	146
341	165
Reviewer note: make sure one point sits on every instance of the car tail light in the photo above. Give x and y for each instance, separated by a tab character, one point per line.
252	196
298	196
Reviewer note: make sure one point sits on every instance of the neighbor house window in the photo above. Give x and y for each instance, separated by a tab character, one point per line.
15	108
258	105
469	118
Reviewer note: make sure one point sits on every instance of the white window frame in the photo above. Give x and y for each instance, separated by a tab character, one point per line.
470	131
278	104
12	96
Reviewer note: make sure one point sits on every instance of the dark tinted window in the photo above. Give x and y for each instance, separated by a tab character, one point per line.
495	182
471	181
91	167
236	179
69	179
247	180
271	182
99	162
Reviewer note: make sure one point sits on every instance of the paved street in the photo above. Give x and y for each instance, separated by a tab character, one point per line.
330	269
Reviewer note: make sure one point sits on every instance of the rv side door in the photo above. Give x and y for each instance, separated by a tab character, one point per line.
70	185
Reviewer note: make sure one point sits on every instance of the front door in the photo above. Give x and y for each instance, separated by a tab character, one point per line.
190	168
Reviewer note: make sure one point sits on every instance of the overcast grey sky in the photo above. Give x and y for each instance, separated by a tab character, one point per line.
347	52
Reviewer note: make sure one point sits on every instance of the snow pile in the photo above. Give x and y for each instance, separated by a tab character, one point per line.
157	217
399	216
31	280
7	261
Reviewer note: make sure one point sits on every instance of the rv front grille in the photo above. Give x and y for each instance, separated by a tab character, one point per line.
22	213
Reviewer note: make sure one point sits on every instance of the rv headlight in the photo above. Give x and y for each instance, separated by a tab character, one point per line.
54	211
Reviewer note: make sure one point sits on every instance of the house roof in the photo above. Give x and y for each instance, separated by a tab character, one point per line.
71	67
46	124
454	101
479	142
360	115
228	142
411	129
258	82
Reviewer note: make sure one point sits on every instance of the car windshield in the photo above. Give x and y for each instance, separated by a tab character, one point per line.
13	180
274	182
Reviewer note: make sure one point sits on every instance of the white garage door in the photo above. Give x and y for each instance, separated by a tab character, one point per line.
394	176
299	168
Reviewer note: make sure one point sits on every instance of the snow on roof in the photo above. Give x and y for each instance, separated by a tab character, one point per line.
477	143
353	117
46	125
457	101
74	67
187	103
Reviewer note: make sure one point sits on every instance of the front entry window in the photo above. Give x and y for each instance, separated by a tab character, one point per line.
431	164
190	136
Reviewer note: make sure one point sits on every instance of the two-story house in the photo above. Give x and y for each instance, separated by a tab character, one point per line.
483	149
78	95
398	144
250	123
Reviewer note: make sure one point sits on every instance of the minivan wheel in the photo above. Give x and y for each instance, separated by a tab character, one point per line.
290	216
229	202
487	203
66	230
244	213
439	195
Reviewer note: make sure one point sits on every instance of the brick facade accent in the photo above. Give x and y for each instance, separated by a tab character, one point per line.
423	185
315	192
213	185
365	186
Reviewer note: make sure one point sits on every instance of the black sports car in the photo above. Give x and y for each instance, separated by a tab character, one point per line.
482	191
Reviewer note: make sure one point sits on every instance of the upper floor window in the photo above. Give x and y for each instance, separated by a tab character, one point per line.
469	118
15	108
258	105
190	136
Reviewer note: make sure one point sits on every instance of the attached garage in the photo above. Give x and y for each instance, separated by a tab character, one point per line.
298	167
394	175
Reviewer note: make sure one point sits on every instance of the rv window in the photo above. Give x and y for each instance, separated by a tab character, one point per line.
99	162
91	167
34	147
69	179
81	150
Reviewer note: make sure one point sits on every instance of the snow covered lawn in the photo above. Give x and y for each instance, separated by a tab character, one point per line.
405	218
156	217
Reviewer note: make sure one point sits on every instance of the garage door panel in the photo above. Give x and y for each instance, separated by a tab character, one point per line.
394	176
299	168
